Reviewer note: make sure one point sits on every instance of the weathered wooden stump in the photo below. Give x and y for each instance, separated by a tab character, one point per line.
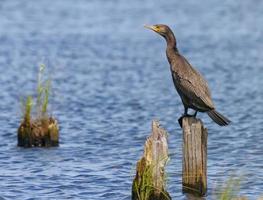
149	182
194	156
38	133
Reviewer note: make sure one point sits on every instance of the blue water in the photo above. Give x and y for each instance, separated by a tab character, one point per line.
110	78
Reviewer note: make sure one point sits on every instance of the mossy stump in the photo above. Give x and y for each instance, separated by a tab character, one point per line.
38	133
149	182
194	156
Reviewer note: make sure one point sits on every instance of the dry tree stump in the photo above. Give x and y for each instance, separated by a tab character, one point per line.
194	156
149	182
38	133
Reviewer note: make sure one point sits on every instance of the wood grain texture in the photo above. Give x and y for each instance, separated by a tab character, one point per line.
194	156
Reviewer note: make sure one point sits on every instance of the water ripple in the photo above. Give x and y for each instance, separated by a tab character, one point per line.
110	78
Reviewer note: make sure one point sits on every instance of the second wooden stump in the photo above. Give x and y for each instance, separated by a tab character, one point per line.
149	182
194	156
38	133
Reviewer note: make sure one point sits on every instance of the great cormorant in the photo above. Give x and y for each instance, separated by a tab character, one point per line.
189	83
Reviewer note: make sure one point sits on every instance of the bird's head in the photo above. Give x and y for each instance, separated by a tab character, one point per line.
161	29
166	32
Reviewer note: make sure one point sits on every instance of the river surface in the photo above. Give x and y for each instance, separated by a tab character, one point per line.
110	78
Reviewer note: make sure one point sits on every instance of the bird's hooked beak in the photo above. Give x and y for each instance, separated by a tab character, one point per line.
154	28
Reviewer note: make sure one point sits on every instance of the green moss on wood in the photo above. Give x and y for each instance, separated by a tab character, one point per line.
39	133
143	187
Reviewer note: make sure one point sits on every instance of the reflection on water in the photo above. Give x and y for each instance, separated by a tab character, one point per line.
111	78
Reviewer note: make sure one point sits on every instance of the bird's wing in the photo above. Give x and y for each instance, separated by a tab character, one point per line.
191	84
197	77
195	94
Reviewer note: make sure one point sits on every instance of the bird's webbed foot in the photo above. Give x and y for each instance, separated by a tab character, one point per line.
180	120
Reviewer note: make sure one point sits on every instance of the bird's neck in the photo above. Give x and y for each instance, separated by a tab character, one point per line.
171	48
171	42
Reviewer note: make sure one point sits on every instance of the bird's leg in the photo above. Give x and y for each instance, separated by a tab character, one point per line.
185	111
188	115
180	120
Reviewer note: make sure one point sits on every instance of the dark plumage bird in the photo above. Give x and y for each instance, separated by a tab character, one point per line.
189	83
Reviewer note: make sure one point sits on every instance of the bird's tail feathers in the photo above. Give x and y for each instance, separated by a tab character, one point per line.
218	118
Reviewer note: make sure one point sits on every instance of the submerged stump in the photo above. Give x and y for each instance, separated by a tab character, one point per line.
149	182
194	156
38	133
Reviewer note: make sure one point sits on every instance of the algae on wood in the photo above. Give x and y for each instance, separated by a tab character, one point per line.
44	133
194	156
149	182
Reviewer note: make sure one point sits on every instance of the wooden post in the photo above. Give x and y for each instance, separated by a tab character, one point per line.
149	183
194	156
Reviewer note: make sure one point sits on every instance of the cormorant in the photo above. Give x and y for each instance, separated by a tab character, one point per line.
189	83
